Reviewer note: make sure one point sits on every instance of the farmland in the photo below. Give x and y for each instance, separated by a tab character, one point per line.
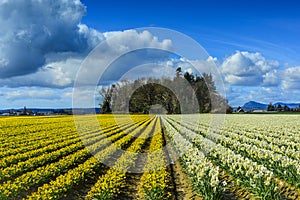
185	157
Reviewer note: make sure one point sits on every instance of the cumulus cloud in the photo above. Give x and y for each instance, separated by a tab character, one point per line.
250	76
244	81
59	74
291	78
92	36
44	43
60	68
131	39
197	67
31	94
272	78
278	85
248	69
32	29
200	66
120	52
35	97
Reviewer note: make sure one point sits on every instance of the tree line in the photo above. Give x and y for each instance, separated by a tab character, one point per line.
280	108
184	93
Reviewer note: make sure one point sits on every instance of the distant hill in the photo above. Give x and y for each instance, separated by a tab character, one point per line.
290	105
253	105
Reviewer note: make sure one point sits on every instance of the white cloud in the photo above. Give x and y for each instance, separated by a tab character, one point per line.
197	67
59	74
292	73
245	81
26	93
262	80
131	40
291	79
120	52
35	97
59	69
92	36
31	29
248	69
43	44
85	97
272	78
287	82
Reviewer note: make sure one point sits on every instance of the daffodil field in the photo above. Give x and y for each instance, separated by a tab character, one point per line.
151	157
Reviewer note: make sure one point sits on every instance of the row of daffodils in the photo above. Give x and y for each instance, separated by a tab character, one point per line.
98	156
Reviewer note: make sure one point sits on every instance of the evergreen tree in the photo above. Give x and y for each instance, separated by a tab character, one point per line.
194	94
270	107
286	108
279	108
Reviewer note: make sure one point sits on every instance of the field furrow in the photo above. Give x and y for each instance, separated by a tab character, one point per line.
150	157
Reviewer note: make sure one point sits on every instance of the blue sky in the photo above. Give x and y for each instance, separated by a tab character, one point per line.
255	44
222	27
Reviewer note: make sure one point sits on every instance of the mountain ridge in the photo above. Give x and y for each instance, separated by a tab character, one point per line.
254	105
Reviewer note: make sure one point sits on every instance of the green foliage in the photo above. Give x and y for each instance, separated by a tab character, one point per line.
271	107
182	94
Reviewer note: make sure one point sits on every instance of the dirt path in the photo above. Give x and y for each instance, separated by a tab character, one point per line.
182	185
80	191
133	178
